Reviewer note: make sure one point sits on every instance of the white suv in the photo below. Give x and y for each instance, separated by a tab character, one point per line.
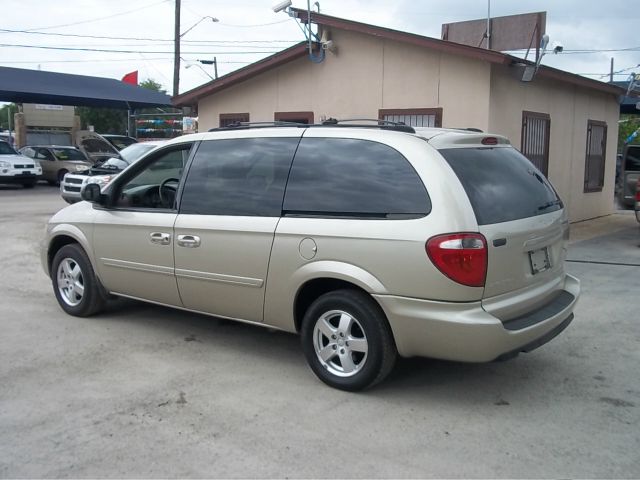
16	168
369	241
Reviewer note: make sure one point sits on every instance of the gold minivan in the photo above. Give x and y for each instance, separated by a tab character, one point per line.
370	241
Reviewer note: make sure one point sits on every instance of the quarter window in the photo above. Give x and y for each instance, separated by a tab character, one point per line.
348	177
244	177
595	157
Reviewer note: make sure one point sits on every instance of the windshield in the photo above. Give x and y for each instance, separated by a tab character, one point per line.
632	161
68	154
5	149
129	155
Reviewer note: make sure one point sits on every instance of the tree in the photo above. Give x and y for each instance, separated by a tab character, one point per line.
111	120
7	110
628	124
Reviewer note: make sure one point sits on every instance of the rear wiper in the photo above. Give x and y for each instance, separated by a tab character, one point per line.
544	206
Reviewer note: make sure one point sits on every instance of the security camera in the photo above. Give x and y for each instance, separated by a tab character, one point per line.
329	45
557	47
281	6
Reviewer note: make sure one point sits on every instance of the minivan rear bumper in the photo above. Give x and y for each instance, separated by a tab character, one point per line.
466	332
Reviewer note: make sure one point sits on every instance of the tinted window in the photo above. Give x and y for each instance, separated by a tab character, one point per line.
502	184
239	177
632	161
338	176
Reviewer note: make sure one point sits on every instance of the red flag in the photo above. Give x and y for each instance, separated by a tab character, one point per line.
131	78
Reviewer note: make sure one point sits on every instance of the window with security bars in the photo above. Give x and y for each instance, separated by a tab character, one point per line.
595	157
536	128
414	117
227	119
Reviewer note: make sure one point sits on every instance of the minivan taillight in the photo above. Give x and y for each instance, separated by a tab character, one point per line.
460	256
638	191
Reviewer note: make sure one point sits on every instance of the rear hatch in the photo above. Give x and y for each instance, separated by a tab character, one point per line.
524	222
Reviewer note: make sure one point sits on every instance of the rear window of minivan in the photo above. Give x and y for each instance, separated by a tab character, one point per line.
502	184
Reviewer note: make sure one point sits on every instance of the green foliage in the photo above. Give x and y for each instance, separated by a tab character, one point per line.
104	120
4	119
628	124
151	84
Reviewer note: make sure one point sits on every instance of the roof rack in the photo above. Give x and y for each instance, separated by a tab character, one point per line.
247	125
375	123
330	122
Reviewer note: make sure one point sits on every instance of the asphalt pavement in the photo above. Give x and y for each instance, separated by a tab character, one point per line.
145	391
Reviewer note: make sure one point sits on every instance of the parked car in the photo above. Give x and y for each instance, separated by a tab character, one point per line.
57	161
16	168
629	175
103	173
120	142
369	241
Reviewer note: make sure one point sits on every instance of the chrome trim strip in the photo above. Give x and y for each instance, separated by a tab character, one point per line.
141	267
218	277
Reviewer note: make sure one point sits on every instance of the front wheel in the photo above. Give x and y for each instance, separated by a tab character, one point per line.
347	340
74	283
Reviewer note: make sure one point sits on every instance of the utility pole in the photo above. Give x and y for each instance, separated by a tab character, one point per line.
176	50
611	71
488	24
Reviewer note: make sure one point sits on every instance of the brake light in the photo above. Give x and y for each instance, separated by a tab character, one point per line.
489	141
638	191
460	256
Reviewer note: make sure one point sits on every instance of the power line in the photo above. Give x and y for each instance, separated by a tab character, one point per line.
102	60
97	18
107	50
142	39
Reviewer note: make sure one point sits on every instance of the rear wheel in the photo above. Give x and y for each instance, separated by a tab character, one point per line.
74	283
347	340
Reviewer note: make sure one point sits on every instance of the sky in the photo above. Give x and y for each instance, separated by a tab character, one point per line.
141	33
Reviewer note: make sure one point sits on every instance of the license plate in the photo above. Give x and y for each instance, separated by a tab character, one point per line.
539	260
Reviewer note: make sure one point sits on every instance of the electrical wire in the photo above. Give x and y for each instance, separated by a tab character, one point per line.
107	50
97	18
144	39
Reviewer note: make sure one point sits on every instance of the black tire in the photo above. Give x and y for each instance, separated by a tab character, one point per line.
369	323
29	184
61	175
92	299
52	182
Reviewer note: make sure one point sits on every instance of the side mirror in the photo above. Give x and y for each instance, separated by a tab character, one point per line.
91	193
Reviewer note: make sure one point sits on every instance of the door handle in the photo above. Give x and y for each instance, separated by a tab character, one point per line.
189	241
160	238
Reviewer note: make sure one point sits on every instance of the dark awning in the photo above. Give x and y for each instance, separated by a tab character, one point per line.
34	86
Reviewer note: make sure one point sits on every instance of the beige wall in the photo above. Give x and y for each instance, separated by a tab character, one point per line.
369	74
363	77
569	108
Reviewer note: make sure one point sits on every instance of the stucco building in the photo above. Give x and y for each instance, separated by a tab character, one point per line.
564	123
